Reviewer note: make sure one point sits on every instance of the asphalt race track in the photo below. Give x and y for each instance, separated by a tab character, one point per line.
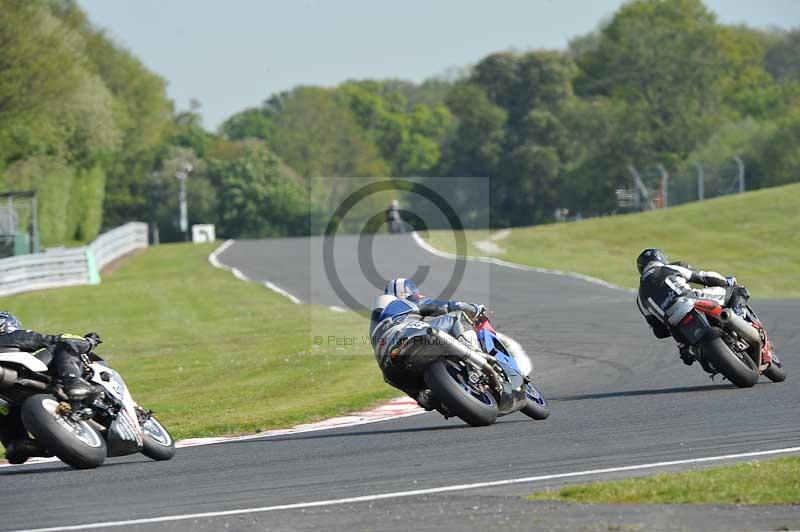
619	397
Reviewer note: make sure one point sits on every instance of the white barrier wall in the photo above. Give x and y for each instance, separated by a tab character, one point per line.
69	267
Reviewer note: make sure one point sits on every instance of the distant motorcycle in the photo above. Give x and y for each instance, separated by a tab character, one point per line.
476	382
724	342
81	433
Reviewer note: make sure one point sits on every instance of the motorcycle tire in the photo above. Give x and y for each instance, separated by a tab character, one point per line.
775	373
444	378
76	443
536	406
158	443
740	372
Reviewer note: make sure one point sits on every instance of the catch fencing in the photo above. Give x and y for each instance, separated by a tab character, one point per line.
655	187
70	267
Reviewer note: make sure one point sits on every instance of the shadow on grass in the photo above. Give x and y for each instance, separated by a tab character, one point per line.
638	393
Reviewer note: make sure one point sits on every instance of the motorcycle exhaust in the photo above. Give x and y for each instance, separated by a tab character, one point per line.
463	352
7	377
733	322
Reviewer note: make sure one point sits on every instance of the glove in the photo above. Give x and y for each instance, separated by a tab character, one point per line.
93	338
731	280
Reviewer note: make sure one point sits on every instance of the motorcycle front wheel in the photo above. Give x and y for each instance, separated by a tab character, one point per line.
536	407
451	384
158	443
775	372
76	443
736	367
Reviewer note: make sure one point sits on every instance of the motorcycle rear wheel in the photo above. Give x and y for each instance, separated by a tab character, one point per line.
736	368
76	443
451	387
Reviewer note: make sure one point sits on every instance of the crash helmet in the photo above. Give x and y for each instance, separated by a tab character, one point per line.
403	288
9	323
650	255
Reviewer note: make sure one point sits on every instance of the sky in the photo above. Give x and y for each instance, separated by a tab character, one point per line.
233	54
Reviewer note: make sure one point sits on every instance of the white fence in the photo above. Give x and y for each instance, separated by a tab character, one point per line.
69	267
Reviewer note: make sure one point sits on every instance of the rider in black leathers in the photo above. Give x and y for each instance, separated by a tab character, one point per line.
662	283
64	350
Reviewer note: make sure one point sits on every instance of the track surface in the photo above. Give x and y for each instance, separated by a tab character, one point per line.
619	397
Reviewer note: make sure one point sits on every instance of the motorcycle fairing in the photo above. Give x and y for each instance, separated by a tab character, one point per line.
513	395
24	359
125	434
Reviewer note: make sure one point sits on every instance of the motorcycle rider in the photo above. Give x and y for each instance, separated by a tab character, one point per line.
662	283
401	304
63	354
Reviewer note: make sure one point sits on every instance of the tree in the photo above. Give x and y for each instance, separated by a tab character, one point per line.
477	145
251	123
319	138
662	58
255	200
783	57
407	137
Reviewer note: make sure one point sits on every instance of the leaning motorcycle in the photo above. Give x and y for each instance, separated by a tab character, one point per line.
737	346
476	379
81	433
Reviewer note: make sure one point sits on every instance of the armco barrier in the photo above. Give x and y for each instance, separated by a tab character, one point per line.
69	267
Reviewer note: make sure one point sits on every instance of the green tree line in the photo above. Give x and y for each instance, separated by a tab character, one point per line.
91	129
88	126
662	81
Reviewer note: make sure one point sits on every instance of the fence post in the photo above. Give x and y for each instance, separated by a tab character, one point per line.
93	276
664	185
740	166
701	185
643	194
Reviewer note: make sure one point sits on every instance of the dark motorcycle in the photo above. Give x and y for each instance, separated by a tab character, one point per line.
725	342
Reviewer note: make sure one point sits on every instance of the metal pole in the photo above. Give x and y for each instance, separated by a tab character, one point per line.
664	186
183	221
740	165
701	186
34	225
643	194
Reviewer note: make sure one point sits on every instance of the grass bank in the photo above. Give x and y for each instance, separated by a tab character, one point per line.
763	482
209	353
754	236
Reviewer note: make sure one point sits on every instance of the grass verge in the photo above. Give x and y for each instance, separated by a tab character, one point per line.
755	236
762	482
209	353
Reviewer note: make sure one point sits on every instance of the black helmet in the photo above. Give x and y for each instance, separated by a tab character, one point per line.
650	255
9	323
403	289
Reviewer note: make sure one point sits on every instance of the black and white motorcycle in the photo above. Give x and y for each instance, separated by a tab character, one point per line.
81	433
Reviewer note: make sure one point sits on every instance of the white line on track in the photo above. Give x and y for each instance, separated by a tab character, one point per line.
410	493
213	258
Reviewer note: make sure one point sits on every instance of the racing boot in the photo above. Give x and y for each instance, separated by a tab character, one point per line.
426	400
20	450
687	354
77	389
